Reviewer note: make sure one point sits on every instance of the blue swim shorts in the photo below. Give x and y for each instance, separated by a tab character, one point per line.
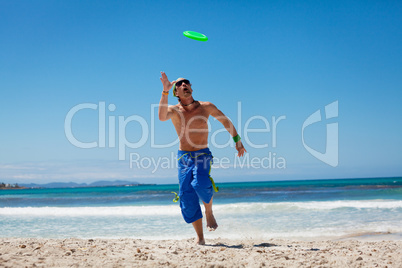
195	182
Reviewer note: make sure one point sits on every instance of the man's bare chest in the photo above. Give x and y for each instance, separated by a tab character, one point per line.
192	119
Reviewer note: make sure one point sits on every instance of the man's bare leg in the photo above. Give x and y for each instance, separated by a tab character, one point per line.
211	222
200	233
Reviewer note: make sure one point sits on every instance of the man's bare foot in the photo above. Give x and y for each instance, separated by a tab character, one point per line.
211	222
199	241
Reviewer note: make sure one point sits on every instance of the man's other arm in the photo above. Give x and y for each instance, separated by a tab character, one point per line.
225	121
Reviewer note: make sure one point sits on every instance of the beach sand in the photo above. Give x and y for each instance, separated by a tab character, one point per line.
32	252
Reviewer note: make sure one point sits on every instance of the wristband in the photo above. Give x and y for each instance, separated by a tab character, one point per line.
165	93
236	138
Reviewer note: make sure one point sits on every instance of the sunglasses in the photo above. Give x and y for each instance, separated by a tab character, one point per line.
185	81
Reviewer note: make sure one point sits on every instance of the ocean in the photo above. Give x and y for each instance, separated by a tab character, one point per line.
309	209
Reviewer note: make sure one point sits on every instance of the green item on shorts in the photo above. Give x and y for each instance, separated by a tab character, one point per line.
176	197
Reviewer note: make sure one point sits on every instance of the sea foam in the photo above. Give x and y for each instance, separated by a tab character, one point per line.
221	208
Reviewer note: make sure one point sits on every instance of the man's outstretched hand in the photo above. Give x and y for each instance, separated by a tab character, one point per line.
165	82
240	149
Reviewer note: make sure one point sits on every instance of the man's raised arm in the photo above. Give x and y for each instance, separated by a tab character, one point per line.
164	112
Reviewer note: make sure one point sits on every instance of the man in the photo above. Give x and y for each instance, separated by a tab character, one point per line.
190	119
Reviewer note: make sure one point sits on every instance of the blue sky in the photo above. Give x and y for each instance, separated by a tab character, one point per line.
264	60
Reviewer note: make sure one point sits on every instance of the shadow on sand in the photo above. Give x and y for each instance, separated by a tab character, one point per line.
240	246
265	245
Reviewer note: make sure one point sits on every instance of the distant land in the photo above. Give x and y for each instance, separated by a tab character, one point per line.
74	184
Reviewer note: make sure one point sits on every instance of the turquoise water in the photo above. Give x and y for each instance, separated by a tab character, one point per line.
289	209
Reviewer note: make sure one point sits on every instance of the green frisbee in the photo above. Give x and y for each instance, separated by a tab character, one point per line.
195	36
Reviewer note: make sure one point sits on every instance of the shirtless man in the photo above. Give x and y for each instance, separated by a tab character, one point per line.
190	119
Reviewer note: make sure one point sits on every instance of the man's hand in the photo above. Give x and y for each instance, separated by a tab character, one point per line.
240	149
165	82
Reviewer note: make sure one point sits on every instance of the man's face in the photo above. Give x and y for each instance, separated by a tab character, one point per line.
183	88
